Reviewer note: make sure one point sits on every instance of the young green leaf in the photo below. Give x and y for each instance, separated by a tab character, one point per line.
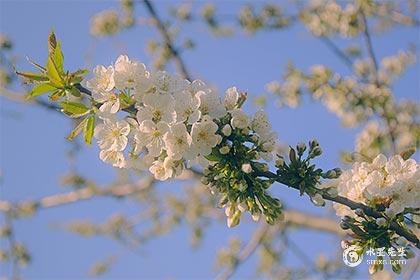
33	76
75	92
74	109
53	73
52	42
41	89
59	58
76	131
81	72
89	129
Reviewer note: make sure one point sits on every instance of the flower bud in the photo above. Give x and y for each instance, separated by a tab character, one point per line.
280	162
345	244
330	174
381	222
254	138
313	144
242	186
230	210
344	225
242	207
317	200
256	216
227	130
396	268
224	150
292	154
359	212
409	253
301	147
204	180
338	171
246	167
347	219
234	219
317	151
401	241
332	192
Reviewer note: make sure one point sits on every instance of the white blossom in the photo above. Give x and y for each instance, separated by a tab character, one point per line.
210	104
390	182
157	107
231	98
177	141
112	135
260	124
187	107
116	158
167	84
129	74
159	171
103	79
239	119
150	135
227	130
204	136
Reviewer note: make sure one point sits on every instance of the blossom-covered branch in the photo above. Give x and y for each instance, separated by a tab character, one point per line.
151	120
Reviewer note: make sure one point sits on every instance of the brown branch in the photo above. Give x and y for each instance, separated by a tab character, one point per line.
352	205
369	47
314	222
79	195
337	51
20	98
167	39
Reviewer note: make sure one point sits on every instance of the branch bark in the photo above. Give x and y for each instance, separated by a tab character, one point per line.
352	205
167	39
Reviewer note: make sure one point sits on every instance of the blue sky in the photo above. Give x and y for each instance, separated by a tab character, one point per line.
33	144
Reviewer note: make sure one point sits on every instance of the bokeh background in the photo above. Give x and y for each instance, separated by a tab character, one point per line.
34	153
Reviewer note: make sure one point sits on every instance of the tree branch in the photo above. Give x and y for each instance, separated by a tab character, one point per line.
78	195
167	39
352	205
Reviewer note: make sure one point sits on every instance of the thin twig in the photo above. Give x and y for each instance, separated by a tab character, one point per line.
369	47
330	44
167	39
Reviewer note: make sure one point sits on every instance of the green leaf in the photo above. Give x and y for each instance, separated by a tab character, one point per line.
41	89
59	58
74	109
75	92
88	129
81	72
33	76
52	42
76	131
53	73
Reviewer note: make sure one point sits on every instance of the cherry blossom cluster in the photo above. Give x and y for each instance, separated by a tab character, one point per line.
329	17
389	185
177	123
